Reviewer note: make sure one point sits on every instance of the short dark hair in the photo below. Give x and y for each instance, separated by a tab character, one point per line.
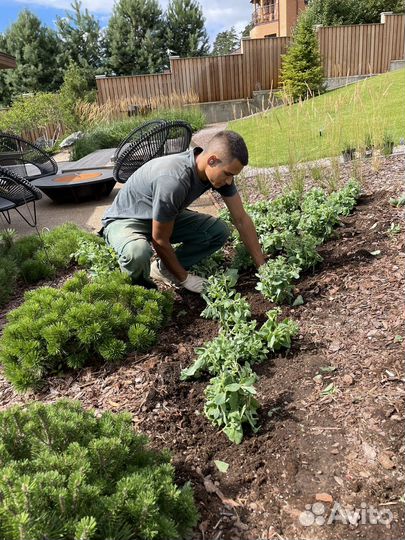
232	143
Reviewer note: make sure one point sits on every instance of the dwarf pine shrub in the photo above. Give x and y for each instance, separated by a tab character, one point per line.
34	257
84	321
67	474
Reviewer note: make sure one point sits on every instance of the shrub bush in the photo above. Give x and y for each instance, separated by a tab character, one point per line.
84	321
32	258
302	70
111	134
38	111
67	474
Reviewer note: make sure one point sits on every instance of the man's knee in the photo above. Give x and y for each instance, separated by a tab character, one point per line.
221	232
135	257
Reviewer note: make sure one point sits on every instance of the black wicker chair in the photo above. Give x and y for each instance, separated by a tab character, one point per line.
169	138
148	147
137	134
178	137
15	191
25	158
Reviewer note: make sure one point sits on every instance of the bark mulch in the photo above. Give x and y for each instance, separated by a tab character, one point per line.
332	413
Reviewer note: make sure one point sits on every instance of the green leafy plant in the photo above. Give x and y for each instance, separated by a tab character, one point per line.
344	200
242	259
231	403
276	279
398	203
278	334
299	249
96	256
223	302
228	357
209	266
67	473
395	228
84	321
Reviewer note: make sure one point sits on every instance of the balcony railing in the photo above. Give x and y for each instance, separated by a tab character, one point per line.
265	14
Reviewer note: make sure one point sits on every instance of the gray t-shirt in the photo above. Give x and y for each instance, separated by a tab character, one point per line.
161	189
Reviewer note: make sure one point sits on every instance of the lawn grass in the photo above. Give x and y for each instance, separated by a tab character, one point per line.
322	126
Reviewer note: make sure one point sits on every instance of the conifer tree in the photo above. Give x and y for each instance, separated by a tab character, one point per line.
302	71
226	42
247	29
135	38
185	30
37	51
66	473
80	33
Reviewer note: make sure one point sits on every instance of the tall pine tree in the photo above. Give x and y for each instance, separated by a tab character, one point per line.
226	42
301	70
37	50
135	38
185	29
80	33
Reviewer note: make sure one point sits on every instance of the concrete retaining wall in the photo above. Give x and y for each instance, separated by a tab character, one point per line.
225	111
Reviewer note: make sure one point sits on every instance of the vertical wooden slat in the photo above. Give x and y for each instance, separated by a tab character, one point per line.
345	50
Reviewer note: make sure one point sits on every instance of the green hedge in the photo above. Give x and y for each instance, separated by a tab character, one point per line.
67	474
111	134
84	321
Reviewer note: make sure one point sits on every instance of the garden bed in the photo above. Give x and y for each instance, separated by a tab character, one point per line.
341	447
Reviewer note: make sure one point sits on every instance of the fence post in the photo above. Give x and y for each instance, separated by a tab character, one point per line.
384	14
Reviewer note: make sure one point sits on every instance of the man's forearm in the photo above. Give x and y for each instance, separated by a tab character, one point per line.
167	254
248	236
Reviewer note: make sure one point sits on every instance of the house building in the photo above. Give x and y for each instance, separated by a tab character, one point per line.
275	18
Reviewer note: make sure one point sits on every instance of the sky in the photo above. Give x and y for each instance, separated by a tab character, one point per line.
219	14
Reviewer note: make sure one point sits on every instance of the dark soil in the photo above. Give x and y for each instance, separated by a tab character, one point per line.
342	447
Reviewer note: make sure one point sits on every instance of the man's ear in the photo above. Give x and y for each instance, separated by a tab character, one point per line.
213	160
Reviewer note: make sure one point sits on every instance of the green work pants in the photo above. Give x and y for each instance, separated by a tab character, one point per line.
200	235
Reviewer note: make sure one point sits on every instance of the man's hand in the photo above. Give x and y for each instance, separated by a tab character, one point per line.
194	283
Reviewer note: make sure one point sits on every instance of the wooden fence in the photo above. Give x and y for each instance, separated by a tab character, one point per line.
211	78
362	49
346	51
